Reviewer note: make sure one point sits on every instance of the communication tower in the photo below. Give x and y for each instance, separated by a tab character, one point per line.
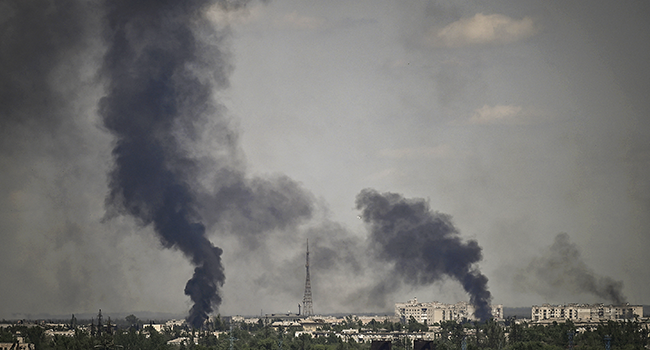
307	306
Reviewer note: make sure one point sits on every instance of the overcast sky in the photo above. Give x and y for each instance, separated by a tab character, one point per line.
521	120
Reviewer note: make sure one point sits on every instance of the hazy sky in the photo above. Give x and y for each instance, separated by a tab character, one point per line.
520	120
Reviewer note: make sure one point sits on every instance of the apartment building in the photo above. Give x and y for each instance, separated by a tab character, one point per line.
432	312
585	312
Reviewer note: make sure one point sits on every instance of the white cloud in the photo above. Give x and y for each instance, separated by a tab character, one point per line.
498	114
483	29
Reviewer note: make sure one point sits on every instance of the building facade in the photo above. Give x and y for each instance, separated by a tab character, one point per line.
585	312
432	312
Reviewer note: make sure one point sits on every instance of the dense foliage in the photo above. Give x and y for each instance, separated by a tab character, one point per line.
131	334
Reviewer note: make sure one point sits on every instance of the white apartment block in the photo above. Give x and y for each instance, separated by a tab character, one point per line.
432	312
585	312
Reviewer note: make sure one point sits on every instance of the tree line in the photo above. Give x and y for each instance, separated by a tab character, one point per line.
132	334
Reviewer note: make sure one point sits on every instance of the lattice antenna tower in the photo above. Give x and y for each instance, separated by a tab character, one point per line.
307	305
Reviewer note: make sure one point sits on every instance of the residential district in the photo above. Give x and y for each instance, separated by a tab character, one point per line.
414	325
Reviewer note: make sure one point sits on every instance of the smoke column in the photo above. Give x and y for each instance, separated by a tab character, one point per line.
422	245
160	76
561	268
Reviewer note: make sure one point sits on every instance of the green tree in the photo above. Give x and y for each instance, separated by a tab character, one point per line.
495	337
36	336
451	335
514	332
415	326
218	324
6	336
132	321
73	322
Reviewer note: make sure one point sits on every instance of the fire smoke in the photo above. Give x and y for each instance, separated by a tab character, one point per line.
160	76
561	268
422	245
163	62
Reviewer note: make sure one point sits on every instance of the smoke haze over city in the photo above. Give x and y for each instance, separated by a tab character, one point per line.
175	156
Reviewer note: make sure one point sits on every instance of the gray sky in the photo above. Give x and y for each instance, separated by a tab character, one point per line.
521	120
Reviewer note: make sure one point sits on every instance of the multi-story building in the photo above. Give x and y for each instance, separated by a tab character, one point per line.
432	312
585	312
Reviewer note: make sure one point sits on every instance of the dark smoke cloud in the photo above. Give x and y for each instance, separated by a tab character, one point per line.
162	65
560	268
252	208
422	246
160	78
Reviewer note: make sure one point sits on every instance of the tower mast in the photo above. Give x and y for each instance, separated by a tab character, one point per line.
307	306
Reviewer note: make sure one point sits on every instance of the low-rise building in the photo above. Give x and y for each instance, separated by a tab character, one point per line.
18	344
183	341
286	325
67	333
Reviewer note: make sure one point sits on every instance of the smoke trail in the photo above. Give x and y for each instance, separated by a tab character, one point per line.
160	76
561	268
423	246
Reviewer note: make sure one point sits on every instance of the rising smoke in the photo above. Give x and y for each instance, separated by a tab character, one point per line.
160	79
560	268
163	61
252	207
423	246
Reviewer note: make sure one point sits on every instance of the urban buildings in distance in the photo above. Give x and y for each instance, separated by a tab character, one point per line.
585	312
433	312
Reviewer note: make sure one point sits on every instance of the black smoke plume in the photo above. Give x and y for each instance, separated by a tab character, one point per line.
423	246
160	77
162	63
560	268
